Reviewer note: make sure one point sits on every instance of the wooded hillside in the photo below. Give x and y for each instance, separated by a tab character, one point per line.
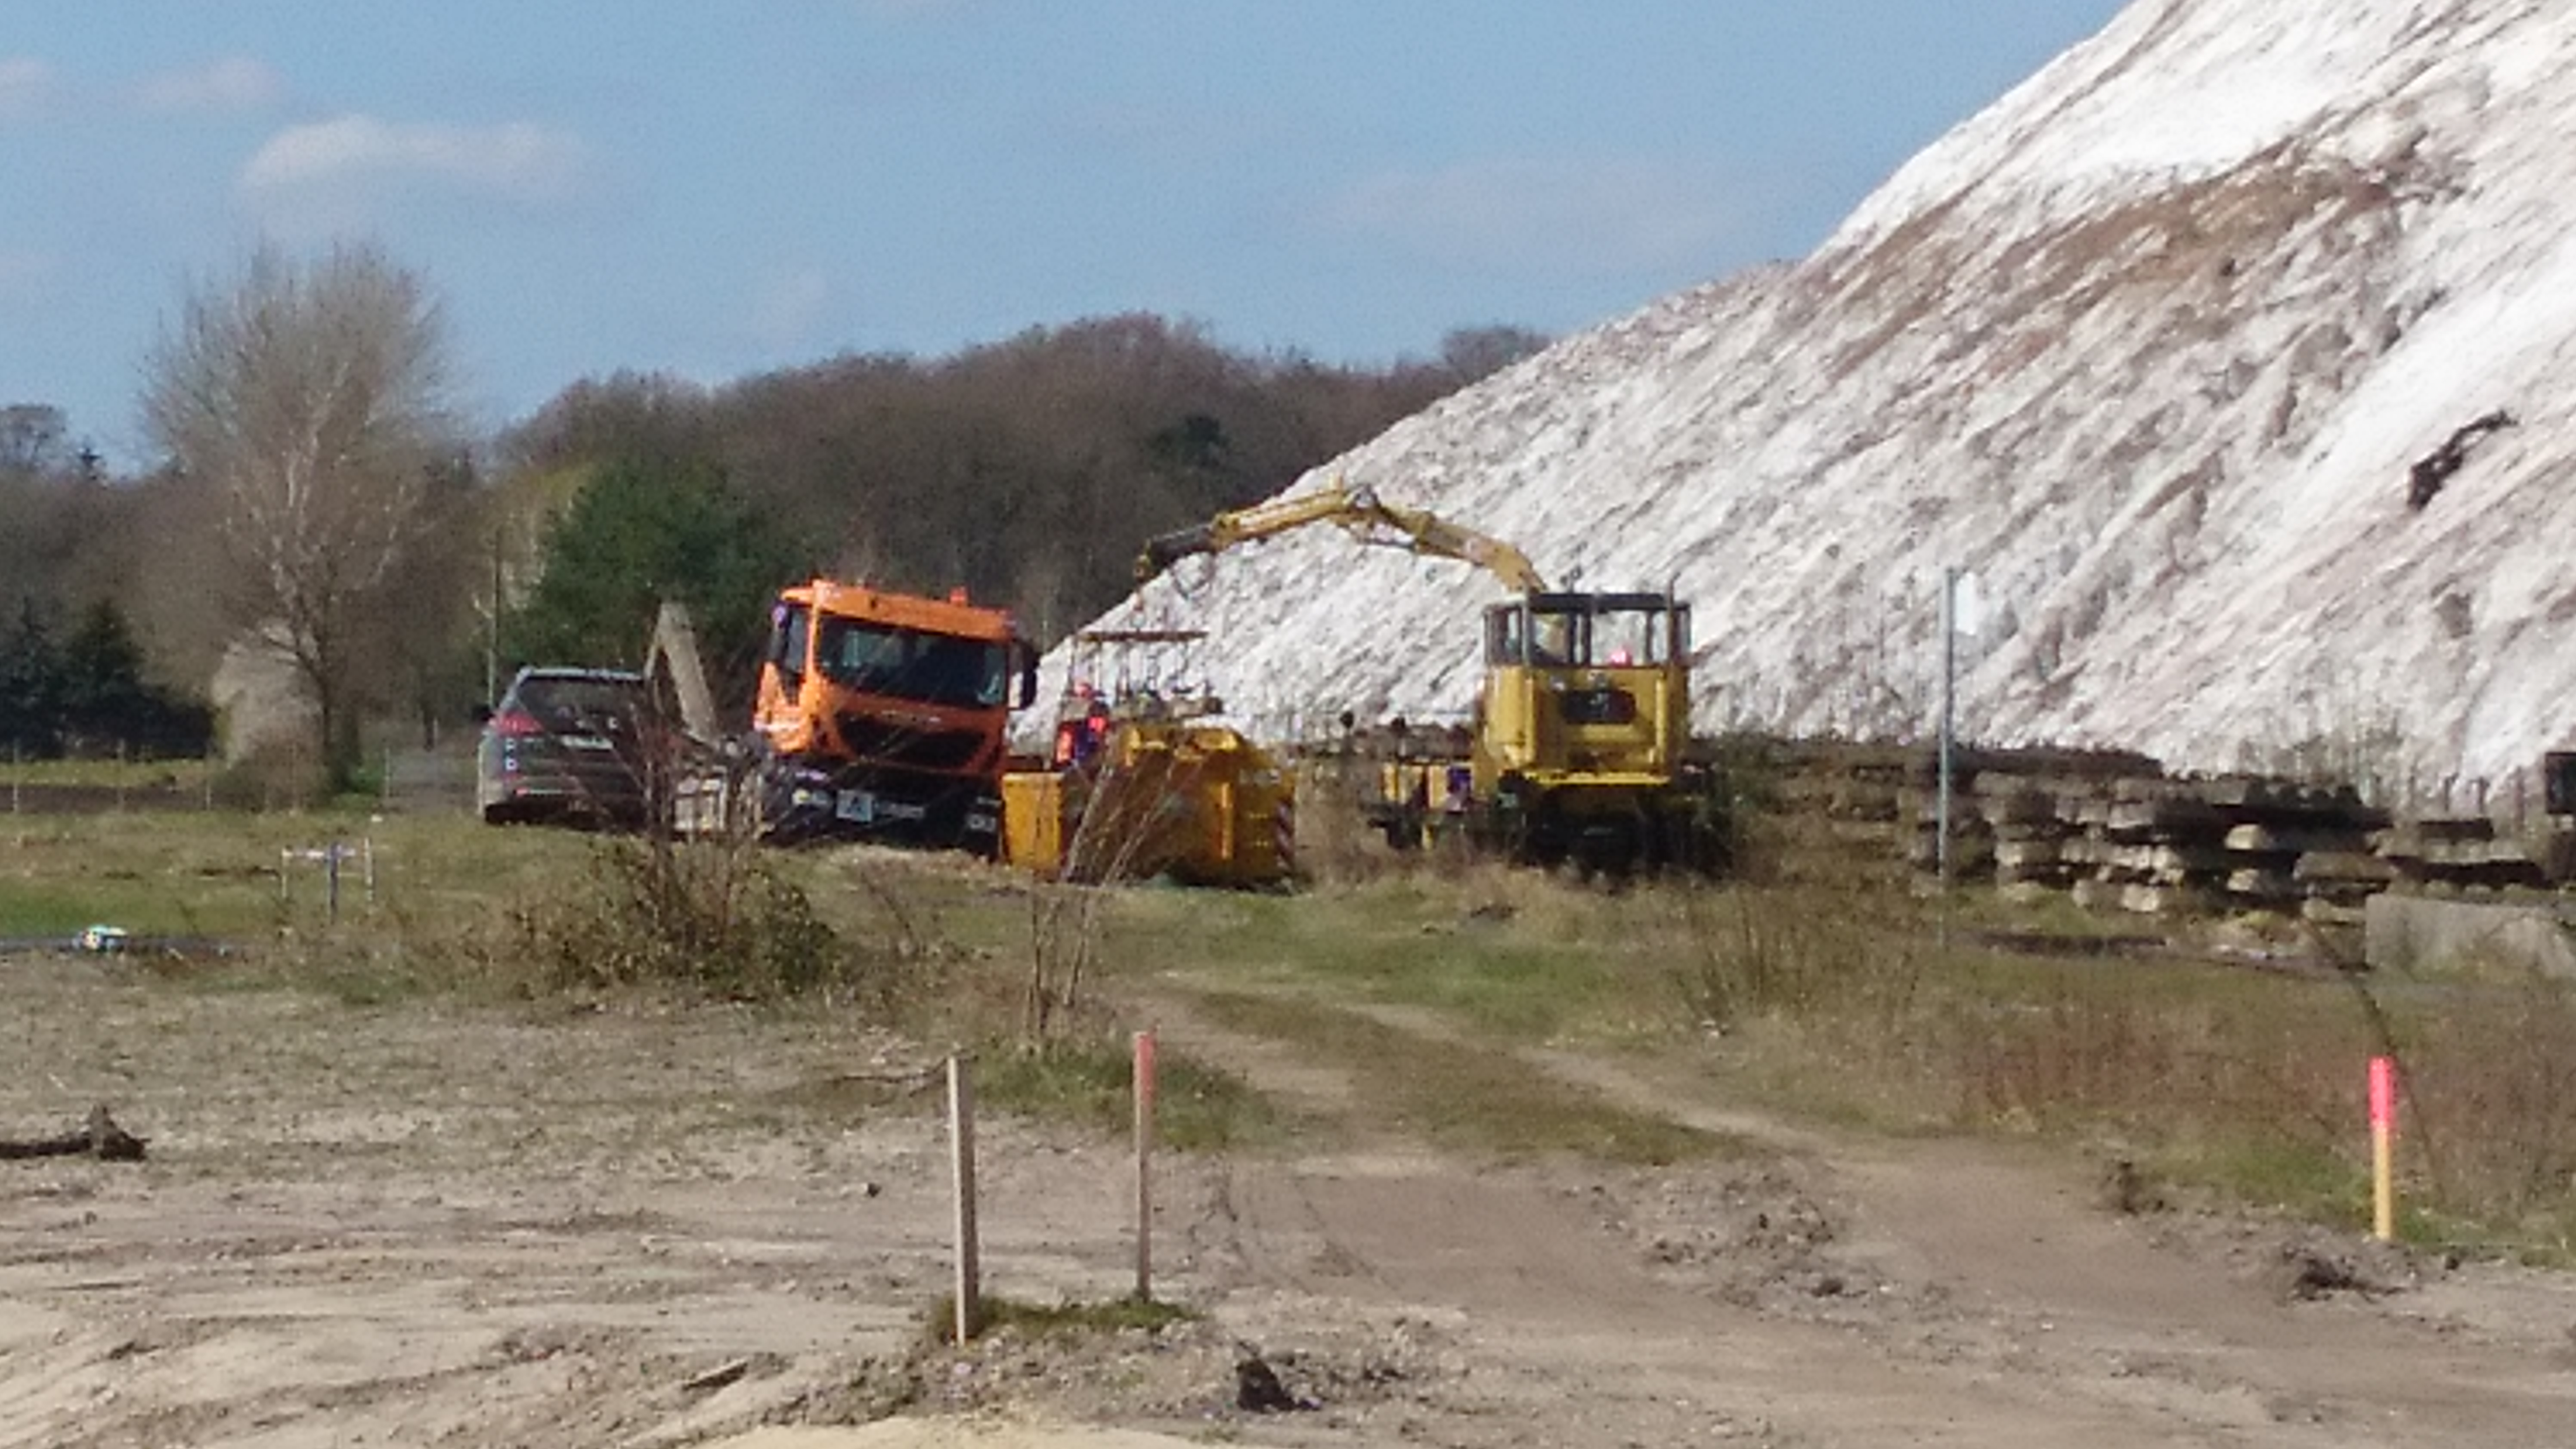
1027	471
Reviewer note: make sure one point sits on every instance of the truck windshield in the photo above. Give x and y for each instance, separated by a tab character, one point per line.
907	664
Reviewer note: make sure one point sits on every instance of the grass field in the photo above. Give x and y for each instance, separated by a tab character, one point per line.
1829	1002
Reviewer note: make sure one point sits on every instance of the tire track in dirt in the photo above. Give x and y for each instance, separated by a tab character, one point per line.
2000	1306
2095	1300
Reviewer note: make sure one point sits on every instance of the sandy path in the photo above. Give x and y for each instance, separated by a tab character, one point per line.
416	1225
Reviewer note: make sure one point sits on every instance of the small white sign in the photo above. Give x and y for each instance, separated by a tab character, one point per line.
1967	605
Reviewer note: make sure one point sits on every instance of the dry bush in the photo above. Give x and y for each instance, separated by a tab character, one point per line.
1794	953
2489	1080
713	917
2078	1052
274	776
1063	946
1123	826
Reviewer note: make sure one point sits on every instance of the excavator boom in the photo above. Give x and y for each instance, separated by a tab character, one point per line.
1356	511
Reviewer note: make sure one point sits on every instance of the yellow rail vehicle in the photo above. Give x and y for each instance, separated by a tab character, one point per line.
1580	749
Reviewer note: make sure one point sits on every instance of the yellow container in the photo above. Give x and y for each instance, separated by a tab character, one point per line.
1033	820
1197	802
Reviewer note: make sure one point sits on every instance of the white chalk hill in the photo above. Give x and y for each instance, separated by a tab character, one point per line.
2235	353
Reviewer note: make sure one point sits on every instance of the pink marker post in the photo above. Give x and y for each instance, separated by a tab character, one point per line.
2383	1130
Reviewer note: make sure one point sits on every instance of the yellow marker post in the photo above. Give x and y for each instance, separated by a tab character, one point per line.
2383	1127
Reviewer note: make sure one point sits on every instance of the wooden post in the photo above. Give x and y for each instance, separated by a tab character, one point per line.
1144	1166
961	1166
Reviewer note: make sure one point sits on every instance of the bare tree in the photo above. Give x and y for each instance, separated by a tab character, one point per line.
312	399
31	438
1476	353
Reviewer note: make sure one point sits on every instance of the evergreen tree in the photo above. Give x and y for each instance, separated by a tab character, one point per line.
31	686
641	531
104	699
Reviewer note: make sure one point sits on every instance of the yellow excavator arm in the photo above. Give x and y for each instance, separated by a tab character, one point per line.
1356	511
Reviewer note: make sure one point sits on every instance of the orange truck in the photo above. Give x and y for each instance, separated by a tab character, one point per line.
885	716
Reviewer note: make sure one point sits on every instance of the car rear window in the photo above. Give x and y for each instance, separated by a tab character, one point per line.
558	697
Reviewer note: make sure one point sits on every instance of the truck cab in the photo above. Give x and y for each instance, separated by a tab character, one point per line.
885	716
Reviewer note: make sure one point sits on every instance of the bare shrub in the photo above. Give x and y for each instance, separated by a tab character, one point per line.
713	917
1123	820
275	776
2079	1051
1797	954
1063	942
2489	1079
1136	814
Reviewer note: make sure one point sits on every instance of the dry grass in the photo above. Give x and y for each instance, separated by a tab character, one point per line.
1433	980
2488	1071
2241	1082
1462	1094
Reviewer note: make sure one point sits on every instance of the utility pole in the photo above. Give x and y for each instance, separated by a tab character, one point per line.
492	631
1949	718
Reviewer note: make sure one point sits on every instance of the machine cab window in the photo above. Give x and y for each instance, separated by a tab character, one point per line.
1587	631
788	628
1625	637
1548	637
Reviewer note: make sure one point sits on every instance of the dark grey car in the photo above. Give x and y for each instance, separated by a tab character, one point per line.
567	746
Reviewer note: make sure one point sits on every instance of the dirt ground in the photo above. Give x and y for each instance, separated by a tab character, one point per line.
419	1224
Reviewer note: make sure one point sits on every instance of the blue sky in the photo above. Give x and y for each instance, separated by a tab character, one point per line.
718	188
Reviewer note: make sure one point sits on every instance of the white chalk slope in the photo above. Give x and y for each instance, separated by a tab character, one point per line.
2149	346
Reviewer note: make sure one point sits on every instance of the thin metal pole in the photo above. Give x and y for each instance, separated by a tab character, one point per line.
1949	713
492	630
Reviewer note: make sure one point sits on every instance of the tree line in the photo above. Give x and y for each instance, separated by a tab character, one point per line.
86	691
320	501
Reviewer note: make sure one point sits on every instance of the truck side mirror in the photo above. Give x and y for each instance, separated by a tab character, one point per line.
1028	677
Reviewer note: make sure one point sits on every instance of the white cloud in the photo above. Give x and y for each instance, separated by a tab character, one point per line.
1552	213
234	83
26	85
519	160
